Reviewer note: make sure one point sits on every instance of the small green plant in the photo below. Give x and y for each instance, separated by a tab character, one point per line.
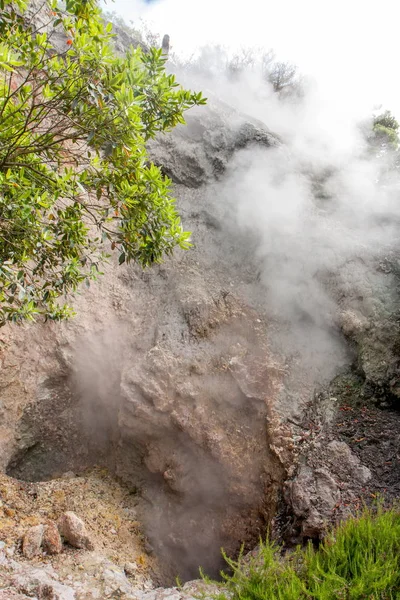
75	177
359	560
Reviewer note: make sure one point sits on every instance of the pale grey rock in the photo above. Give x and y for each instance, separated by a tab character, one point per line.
313	496
131	569
196	153
41	584
345	463
10	594
315	492
189	591
115	582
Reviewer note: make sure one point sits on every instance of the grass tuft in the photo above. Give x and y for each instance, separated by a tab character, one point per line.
359	560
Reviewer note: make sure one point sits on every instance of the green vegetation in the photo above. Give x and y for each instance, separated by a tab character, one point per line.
385	129
359	560
75	178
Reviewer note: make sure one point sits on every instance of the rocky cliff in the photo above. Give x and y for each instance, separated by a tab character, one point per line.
176	381
166	377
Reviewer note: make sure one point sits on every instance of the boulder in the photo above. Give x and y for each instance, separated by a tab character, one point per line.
52	543
32	541
313	496
345	464
73	530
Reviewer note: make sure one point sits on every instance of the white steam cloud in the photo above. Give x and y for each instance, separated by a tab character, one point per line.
348	58
314	208
349	47
316	211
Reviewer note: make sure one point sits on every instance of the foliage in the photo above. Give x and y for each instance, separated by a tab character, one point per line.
385	131
359	560
387	120
75	179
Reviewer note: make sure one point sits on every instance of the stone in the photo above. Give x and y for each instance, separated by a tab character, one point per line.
41	584
12	595
327	491
52	543
116	584
352	324
200	151
32	541
346	464
313	496
73	530
130	568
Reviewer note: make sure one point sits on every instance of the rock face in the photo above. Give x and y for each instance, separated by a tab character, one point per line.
166	377
369	320
170	379
195	153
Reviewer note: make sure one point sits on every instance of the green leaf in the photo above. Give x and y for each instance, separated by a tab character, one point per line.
61	201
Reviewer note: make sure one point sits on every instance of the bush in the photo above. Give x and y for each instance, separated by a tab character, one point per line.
385	131
75	178
359	560
387	120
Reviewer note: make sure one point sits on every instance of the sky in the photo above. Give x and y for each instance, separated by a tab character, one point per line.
350	47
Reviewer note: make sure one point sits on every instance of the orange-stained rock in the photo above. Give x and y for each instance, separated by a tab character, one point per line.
52	543
32	541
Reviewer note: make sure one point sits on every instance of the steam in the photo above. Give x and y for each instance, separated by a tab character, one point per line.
316	212
274	195
322	200
343	45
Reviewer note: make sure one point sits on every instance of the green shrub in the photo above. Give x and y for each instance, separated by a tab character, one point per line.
385	129
387	120
75	176
359	560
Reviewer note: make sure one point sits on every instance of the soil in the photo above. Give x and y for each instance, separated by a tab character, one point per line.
371	428
348	456
107	508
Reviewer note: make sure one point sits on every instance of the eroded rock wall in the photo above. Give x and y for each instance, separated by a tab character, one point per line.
166	377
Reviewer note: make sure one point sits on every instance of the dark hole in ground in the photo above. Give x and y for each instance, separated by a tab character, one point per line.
187	524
